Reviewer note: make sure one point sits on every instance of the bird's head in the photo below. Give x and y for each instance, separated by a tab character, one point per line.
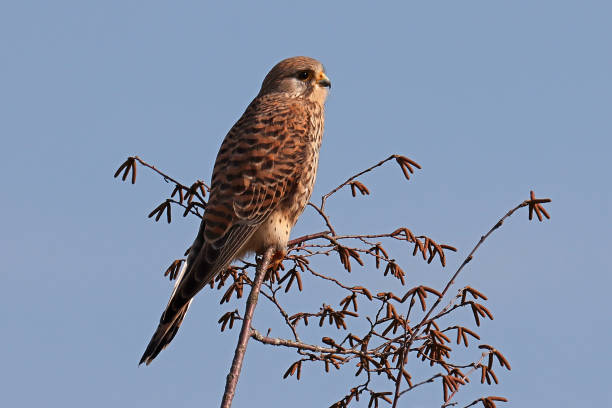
300	77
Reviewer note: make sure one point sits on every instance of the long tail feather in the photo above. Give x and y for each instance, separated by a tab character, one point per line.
203	264
163	336
167	329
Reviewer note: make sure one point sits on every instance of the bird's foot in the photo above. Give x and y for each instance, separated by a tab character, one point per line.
276	263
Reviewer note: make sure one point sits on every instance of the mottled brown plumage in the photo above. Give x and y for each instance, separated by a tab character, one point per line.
262	180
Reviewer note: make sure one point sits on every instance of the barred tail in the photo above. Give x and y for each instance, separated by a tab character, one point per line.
163	336
167	328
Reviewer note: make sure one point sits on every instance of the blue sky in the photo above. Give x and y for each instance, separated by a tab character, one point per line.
492	98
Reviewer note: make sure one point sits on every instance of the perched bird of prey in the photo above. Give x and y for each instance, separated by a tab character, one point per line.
261	182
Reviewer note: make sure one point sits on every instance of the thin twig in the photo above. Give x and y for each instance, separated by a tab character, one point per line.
325	217
416	330
297	344
465	262
474	366
380	163
161	173
168	178
304	238
429	380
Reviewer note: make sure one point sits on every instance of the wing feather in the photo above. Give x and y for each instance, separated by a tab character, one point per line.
259	162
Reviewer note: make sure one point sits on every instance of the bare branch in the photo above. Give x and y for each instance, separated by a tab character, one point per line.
385	346
245	331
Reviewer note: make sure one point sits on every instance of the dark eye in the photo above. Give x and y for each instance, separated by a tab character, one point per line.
303	75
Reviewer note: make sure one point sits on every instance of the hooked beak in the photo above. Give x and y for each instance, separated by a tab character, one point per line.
323	80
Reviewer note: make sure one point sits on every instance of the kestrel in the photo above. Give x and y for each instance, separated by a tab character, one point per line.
262	180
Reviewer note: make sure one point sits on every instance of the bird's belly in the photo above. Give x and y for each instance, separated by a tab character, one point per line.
274	232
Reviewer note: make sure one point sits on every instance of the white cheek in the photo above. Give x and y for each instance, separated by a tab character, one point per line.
294	86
